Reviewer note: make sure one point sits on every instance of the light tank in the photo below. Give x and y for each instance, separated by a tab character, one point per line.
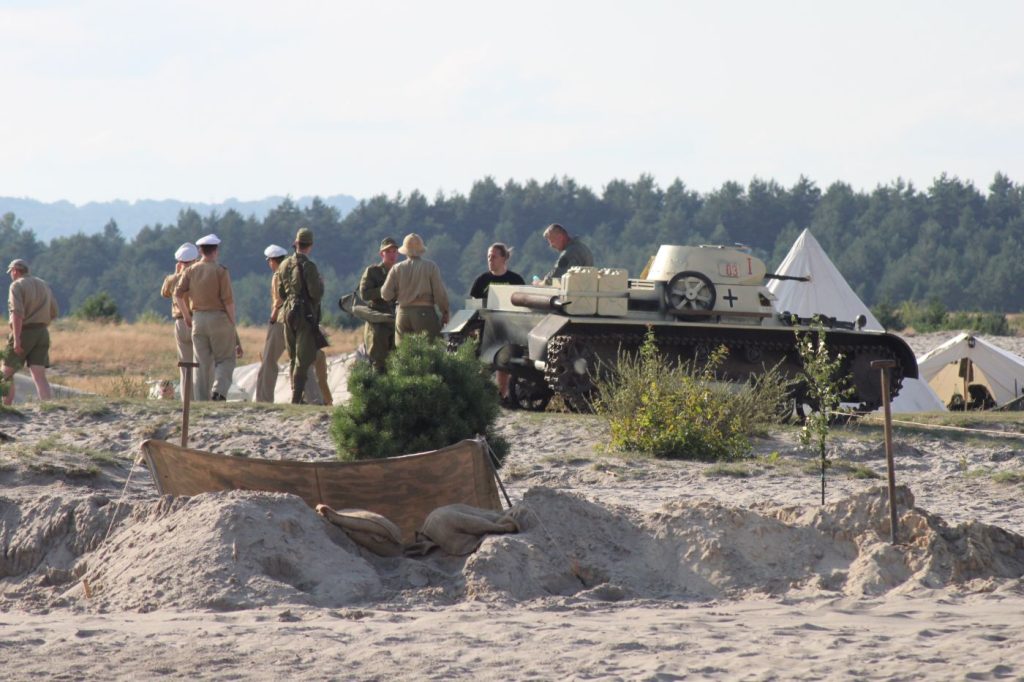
556	339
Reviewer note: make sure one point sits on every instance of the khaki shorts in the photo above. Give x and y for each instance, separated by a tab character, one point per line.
35	341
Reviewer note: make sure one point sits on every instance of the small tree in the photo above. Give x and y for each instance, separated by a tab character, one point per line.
99	307
826	386
427	399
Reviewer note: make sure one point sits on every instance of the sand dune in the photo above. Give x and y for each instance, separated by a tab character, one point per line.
624	568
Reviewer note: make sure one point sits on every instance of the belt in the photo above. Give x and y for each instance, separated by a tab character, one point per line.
34	325
419	302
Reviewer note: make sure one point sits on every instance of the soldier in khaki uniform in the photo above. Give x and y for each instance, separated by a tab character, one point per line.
212	320
379	337
301	288
32	307
415	285
186	254
273	347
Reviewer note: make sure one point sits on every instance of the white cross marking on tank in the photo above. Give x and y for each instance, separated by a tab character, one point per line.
730	298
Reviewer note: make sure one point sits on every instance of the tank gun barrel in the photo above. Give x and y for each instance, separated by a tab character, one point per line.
542	302
795	278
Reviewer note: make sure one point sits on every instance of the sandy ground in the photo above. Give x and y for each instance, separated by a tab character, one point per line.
626	568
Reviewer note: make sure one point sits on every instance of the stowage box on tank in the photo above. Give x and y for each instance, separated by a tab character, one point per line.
556	339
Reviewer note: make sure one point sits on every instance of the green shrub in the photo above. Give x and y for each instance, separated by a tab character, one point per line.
99	307
150	316
5	385
933	316
980	323
427	399
681	411
888	315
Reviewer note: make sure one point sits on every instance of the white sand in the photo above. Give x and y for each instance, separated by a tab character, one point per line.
626	568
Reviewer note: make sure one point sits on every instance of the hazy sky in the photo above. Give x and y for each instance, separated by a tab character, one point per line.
211	99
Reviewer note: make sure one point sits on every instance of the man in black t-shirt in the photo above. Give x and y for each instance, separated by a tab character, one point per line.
497	272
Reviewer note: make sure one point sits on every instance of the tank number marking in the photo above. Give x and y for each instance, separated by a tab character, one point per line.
729	270
750	266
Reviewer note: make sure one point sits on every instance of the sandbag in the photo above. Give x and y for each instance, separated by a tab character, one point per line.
367	529
458	529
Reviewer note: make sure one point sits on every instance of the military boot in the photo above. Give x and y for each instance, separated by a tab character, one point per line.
298	388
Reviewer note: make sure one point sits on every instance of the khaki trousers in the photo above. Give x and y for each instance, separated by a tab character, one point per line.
213	341
273	347
414	319
302	353
379	340
183	339
317	391
320	368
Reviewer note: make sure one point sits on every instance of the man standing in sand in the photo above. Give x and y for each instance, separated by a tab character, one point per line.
32	308
274	344
215	342
571	252
415	285
185	256
300	286
379	337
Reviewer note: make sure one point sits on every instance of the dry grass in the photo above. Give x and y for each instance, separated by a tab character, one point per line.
117	359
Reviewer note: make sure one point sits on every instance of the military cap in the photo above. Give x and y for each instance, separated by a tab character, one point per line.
18	264
186	253
388	243
208	240
274	251
304	237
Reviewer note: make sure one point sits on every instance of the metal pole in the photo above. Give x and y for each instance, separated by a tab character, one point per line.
492	459
186	395
884	366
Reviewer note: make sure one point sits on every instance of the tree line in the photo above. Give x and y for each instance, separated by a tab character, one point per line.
950	243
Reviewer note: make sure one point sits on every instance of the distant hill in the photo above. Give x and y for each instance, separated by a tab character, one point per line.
61	218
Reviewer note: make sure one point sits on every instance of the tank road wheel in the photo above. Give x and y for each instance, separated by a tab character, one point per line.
689	291
571	370
530	391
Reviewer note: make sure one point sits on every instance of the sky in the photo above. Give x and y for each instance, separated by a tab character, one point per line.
213	99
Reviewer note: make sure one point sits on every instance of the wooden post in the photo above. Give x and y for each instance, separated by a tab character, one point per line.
885	366
186	396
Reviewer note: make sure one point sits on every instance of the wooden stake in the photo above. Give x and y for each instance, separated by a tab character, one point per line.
884	366
186	395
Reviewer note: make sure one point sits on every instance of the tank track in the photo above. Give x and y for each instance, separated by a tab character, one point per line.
574	359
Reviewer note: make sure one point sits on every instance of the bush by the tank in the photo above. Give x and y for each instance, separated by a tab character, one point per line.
681	411
427	399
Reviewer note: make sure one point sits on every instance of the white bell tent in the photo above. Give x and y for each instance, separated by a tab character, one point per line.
958	368
829	294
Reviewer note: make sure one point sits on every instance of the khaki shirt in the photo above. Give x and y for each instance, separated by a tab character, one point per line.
208	285
416	281
167	291
370	285
31	298
289	284
276	302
